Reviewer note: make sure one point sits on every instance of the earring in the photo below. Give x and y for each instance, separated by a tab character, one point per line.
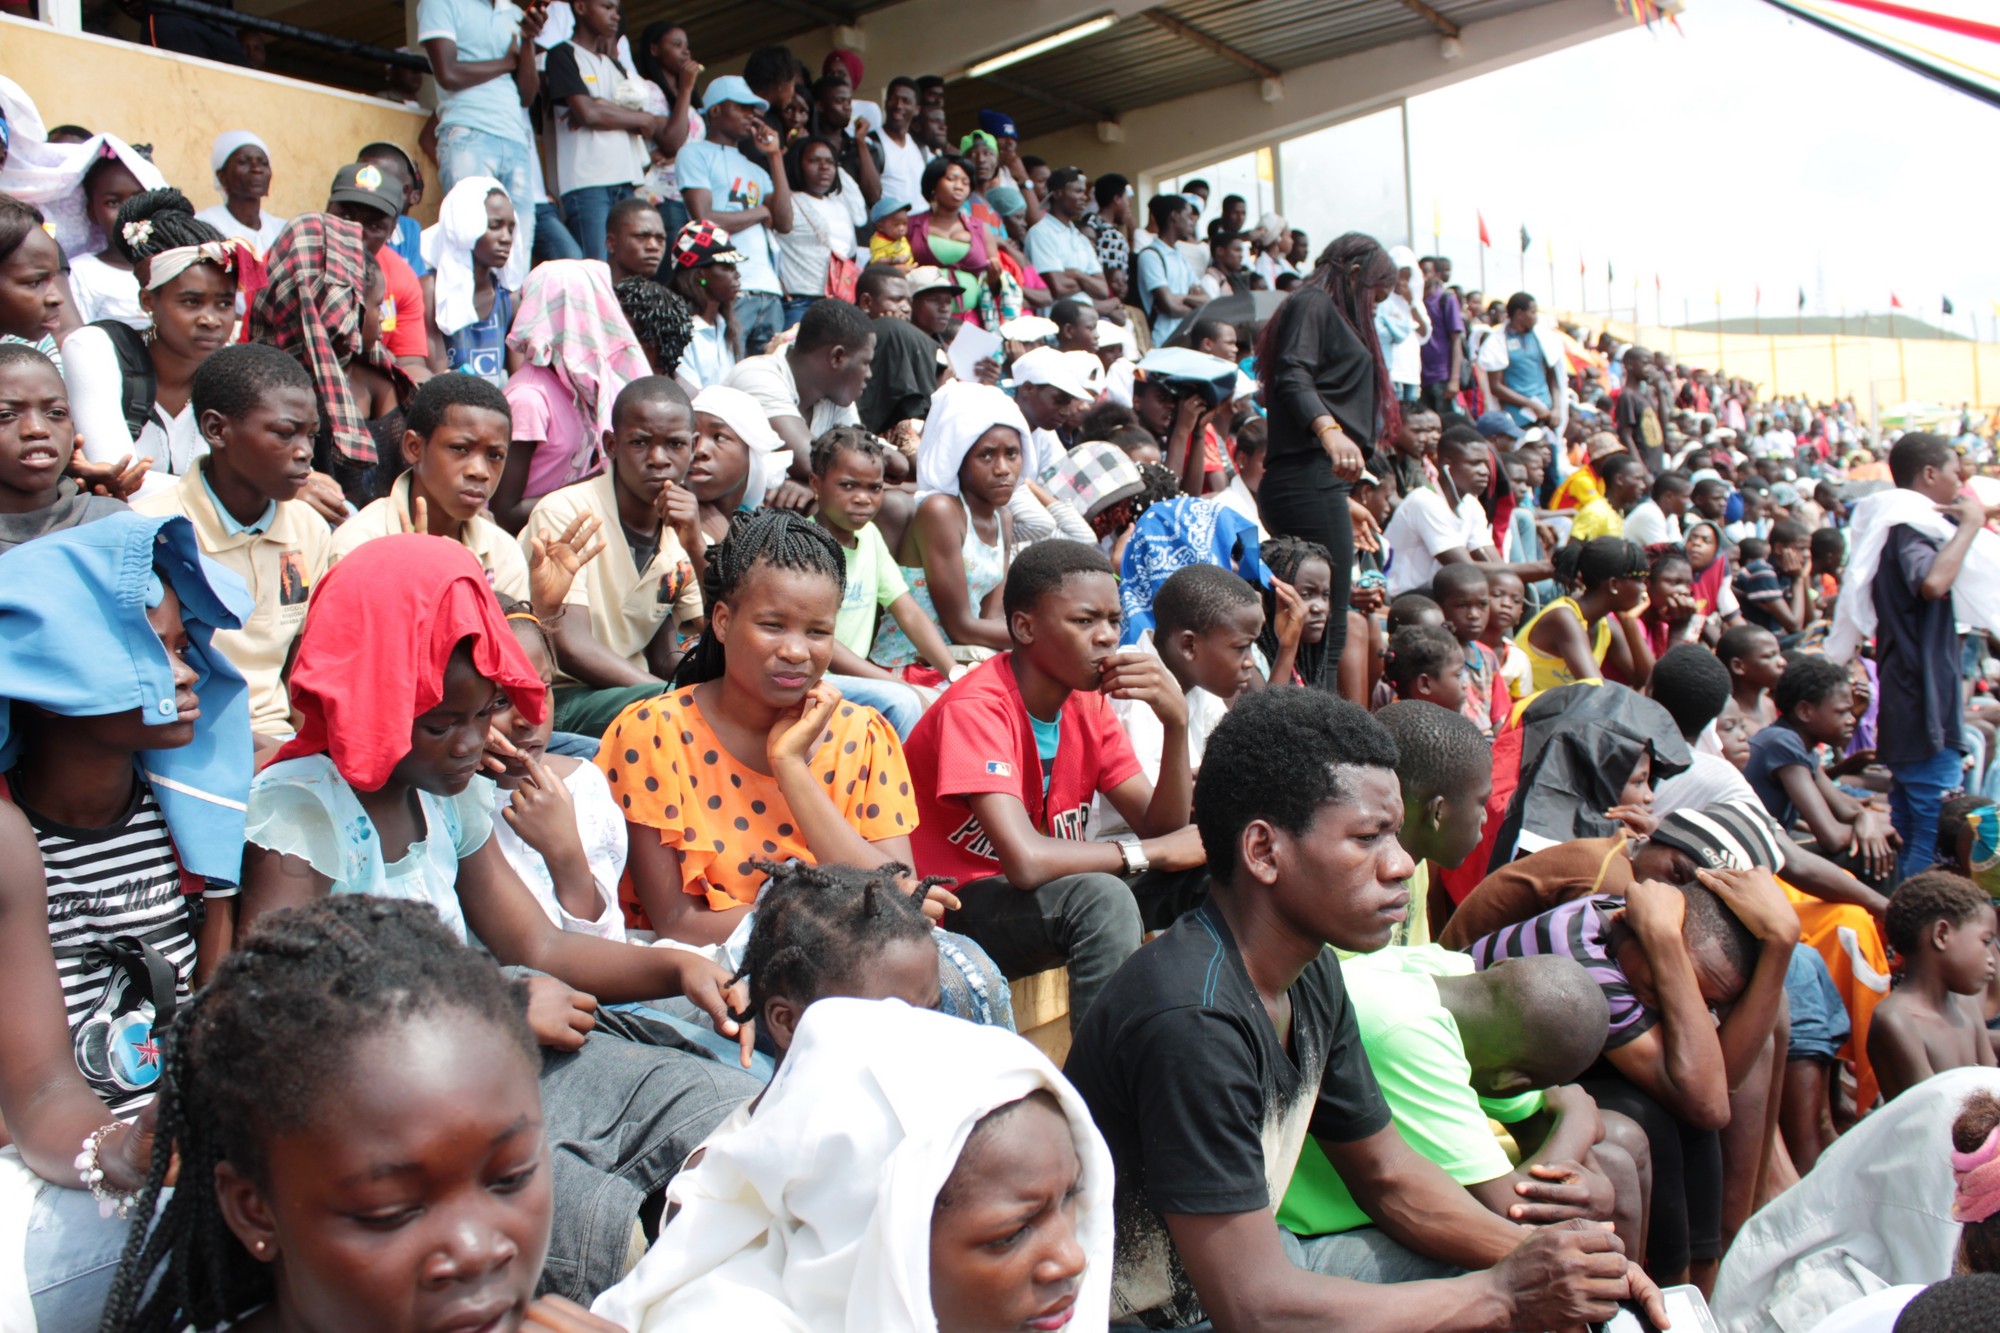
259	1247
150	333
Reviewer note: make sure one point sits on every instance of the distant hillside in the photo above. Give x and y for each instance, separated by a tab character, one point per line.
1870	326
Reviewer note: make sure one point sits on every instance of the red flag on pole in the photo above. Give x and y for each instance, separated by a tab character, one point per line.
1656	282
1484	239
1895	302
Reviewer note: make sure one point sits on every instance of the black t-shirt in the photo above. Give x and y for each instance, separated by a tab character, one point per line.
1202	1107
1638	418
1916	654
1319	367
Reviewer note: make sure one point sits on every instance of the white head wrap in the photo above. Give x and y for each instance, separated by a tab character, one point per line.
961	412
744	415
50	175
227	143
447	248
813	1215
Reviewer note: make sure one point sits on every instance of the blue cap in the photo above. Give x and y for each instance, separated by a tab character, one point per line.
883	208
732	88
1497	423
998	124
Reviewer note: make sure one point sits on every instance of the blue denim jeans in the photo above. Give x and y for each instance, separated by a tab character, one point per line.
1366	1254
1916	796
72	1255
552	238
463	152
796	307
899	705
761	316
587	211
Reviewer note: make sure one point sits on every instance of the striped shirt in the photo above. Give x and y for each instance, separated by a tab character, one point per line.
103	883
1578	930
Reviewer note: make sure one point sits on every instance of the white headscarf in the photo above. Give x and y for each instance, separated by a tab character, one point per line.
227	143
813	1215
745	415
447	248
50	175
961	412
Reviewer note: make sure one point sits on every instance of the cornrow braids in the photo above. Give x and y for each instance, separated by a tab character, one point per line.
818	927
774	537
170	216
827	449
1283	556
247	1058
660	320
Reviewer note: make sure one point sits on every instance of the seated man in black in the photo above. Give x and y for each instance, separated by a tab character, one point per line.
1217	1047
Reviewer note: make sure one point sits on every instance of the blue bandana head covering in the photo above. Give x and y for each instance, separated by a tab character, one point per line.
75	641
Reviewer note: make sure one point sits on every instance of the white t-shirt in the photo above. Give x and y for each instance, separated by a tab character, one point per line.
903	169
586	157
1424	527
1649	525
1142	725
104	292
600	825
769	380
821	228
97	398
224	221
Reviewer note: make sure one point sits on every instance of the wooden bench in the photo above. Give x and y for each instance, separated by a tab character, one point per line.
1041	1012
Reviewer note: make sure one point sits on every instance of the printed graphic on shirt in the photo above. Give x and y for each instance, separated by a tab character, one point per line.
674	584
293	587
744	193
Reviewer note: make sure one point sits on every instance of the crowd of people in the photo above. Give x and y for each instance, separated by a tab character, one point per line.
534	749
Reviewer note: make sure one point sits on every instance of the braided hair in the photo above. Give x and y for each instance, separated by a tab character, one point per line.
171	217
776	537
1592	564
248	1057
1283	556
661	321
819	928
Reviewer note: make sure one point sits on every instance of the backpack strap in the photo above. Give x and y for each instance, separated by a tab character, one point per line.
141	386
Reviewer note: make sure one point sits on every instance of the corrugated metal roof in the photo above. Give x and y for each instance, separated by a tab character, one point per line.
1137	62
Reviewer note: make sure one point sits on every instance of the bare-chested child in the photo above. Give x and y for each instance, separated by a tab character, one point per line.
1941	926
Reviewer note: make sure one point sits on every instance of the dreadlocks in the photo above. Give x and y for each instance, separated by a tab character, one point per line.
775	537
1284	556
247	1058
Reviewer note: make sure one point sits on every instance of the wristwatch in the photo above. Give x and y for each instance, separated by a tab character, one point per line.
1134	856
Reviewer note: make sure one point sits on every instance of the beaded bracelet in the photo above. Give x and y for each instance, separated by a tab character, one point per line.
90	1172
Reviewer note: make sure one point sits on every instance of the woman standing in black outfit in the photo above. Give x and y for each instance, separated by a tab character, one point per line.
1326	387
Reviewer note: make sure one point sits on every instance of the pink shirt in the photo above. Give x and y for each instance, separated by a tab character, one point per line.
545	412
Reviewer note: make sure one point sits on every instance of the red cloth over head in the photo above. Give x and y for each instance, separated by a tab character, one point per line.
381	627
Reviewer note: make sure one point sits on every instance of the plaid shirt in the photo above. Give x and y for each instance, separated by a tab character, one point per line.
1113	250
311	308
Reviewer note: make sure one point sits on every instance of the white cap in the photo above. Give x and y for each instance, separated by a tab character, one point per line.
1028	329
1064	370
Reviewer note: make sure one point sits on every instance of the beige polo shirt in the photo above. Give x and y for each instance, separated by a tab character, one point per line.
506	568
627	605
281	562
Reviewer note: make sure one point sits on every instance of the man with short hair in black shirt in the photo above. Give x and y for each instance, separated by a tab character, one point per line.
1219	1046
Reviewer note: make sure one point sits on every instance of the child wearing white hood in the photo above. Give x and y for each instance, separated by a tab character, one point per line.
868	1188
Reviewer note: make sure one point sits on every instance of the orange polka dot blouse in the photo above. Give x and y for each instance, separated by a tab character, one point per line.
668	772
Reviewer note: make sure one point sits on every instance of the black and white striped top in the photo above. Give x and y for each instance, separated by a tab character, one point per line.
102	883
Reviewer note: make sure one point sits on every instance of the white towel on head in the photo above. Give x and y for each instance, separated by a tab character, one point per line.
1975	594
745	415
227	143
50	176
447	248
961	412
813	1214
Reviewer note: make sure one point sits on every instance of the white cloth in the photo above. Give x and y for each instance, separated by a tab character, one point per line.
1423	528
104	292
601	826
1237	497
902	168
225	145
813	1214
1650	525
447	248
1975	594
259	237
961	412
1708	780
1406	358
50	176
97	397
1874	1211
1872	1314
18	1188
742	413
1205	712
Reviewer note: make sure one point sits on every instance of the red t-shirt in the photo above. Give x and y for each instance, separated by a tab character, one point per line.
976	739
406	294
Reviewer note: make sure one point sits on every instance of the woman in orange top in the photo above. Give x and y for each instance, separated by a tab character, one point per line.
752	757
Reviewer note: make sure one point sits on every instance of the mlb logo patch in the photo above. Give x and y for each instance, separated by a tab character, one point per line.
999	768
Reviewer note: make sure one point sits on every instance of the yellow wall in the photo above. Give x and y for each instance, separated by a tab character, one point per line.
179	104
1824	367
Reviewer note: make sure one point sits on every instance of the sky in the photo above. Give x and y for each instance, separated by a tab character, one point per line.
1747	150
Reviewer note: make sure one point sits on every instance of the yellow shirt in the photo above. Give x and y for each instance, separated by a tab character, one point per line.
506	568
280	563
1579	489
1596	518
1546	671
626	605
882	250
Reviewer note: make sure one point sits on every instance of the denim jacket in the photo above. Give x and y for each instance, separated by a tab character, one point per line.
74	640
